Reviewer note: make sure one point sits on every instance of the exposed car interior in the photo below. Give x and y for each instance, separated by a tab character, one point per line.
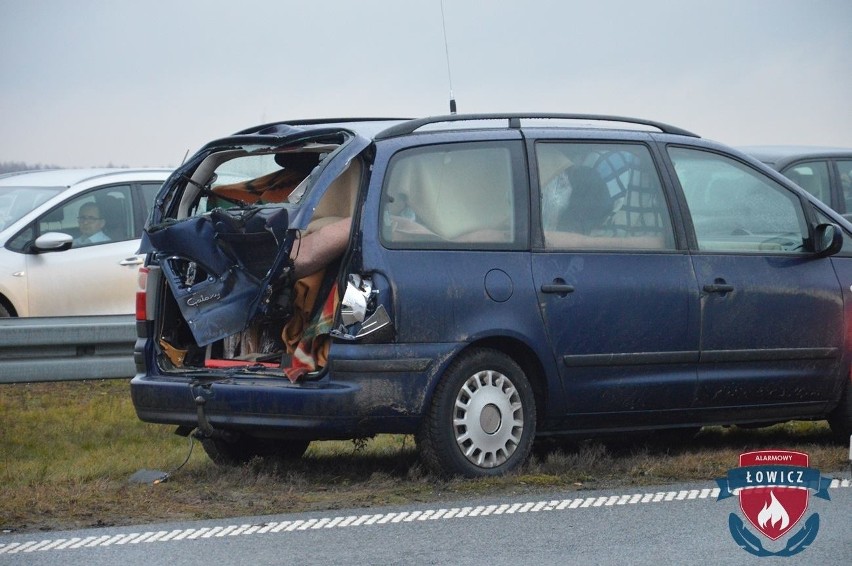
241	200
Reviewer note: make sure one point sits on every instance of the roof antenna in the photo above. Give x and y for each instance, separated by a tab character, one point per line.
447	51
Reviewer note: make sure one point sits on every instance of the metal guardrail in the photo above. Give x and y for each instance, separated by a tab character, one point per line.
66	348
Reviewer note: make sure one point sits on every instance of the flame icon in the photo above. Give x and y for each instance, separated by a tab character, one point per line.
773	512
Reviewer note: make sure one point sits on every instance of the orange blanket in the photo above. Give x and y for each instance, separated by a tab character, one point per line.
307	340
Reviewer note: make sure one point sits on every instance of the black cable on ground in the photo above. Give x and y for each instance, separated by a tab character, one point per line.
154	477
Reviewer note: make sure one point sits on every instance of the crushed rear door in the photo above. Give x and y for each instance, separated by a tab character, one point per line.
227	265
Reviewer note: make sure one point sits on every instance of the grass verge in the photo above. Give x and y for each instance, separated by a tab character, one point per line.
68	450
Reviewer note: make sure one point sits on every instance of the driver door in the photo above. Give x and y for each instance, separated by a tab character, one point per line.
94	279
771	311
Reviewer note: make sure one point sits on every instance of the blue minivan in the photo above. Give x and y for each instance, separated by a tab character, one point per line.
501	277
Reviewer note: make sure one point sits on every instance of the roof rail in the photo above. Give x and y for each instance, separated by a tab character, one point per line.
514	121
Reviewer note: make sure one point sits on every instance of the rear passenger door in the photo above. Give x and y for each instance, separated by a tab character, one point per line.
771	311
618	298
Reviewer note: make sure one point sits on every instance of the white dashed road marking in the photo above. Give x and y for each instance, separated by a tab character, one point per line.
366	520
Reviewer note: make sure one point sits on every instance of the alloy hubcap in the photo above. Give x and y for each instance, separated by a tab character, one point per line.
489	419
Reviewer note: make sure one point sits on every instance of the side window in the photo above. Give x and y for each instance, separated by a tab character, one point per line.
735	208
601	196
813	177
15	202
844	167
96	217
148	192
455	196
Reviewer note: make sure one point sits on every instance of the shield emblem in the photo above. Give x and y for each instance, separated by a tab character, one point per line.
773	509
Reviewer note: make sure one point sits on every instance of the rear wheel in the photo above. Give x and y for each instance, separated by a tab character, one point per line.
4	312
482	419
242	448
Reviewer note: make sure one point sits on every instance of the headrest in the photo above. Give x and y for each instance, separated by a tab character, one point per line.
303	161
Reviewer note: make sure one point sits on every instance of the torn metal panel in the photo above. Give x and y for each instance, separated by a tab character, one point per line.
220	288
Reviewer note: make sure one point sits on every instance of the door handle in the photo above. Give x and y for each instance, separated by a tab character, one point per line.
720	288
131	261
559	288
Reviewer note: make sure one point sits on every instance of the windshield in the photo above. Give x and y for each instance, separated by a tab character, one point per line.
15	202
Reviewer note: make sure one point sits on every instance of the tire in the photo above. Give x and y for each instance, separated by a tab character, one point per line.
241	449
4	312
840	419
482	418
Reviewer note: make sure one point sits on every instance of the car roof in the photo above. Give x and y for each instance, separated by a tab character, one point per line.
70	177
781	155
367	127
385	128
515	120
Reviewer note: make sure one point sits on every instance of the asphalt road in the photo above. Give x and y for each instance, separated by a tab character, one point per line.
678	524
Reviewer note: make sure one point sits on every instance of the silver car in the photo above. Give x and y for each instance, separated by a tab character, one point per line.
69	240
825	172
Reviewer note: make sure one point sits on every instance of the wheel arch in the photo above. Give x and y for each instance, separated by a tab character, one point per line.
526	358
6	304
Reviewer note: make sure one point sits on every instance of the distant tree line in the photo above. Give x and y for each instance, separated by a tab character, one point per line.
12	166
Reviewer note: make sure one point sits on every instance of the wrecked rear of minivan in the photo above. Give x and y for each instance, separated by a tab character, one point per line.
341	279
233	345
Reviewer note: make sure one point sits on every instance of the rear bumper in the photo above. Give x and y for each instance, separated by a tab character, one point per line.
368	389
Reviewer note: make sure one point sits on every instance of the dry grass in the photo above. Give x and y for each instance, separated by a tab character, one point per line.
68	450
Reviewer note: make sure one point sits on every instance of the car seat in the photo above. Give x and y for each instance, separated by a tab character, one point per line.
114	213
810	183
338	202
457	193
590	205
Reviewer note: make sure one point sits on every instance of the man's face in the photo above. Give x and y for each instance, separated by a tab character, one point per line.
89	219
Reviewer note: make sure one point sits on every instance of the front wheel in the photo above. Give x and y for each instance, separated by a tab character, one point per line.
482	418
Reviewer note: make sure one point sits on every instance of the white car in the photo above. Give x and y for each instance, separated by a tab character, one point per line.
45	267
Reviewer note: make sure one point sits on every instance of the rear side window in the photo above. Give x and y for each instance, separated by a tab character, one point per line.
601	196
844	168
813	177
148	192
464	195
735	208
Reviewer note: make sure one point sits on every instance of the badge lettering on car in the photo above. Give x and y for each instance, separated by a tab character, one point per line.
201	298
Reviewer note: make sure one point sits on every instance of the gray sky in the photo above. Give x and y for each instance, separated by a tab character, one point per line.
92	82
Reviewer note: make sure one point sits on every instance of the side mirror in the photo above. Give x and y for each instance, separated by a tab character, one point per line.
828	239
53	242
